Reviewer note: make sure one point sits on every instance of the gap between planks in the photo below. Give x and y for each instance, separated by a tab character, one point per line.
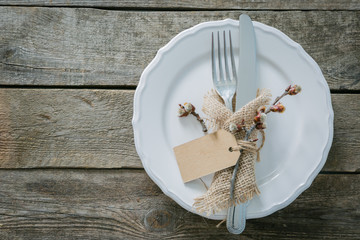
325	172
179	9
123	87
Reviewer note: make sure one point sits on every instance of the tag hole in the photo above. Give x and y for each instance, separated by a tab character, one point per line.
230	149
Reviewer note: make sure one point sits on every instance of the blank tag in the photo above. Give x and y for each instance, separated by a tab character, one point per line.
206	155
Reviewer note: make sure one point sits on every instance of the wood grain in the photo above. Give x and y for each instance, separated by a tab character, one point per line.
345	151
92	47
92	129
199	4
126	204
66	128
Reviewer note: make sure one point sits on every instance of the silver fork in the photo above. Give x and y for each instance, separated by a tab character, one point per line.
224	85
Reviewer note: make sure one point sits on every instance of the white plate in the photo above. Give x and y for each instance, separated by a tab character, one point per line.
297	141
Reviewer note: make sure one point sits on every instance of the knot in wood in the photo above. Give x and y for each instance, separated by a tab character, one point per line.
159	220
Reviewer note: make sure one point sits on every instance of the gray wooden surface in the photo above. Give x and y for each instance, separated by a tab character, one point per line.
68	165
125	204
92	47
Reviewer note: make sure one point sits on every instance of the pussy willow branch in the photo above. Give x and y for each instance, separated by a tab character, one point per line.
195	114
277	100
204	128
247	135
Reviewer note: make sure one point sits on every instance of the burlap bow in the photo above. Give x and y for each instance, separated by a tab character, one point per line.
217	196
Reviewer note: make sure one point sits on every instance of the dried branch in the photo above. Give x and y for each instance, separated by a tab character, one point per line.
259	123
187	109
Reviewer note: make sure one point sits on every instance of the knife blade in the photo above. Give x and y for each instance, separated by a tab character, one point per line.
246	85
245	92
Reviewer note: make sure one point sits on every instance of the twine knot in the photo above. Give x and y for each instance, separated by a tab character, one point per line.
250	146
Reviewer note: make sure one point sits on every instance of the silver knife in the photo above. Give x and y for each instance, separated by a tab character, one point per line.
245	92
246	85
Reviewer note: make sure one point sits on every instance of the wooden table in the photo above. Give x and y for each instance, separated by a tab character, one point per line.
68	72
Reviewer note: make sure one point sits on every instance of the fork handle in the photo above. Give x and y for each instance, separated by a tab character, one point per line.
236	218
228	103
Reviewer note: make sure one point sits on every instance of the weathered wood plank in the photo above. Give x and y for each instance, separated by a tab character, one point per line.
200	4
66	128
70	46
126	204
345	151
92	129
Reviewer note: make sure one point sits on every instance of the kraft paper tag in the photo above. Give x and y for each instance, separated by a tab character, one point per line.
206	155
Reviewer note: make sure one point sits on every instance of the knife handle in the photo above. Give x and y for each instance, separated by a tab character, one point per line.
236	218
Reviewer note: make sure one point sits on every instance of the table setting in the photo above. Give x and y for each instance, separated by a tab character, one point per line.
267	59
179	120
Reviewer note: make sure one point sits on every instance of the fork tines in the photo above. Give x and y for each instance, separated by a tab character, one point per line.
222	53
224	85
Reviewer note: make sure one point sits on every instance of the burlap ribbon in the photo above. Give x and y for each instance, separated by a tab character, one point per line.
217	196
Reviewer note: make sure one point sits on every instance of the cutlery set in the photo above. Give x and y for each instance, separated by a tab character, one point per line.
244	84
